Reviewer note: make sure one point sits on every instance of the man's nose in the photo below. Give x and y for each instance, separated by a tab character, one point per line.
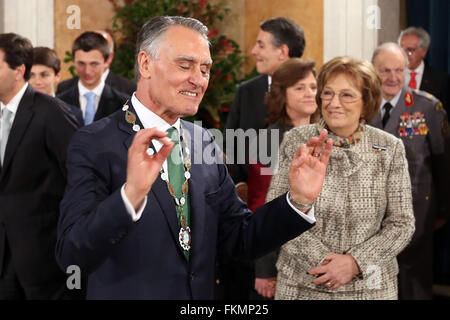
197	77
254	50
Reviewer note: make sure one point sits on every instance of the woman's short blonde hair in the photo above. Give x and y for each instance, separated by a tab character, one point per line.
363	75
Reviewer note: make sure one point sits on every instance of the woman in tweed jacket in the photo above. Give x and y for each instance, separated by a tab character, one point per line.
364	211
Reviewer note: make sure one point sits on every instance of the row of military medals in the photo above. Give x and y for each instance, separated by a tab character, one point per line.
184	235
412	124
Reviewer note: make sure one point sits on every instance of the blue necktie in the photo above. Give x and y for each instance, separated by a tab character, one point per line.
90	108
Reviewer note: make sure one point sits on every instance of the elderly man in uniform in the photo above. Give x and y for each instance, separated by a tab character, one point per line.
420	121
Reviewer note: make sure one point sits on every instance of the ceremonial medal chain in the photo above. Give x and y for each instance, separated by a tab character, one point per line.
184	235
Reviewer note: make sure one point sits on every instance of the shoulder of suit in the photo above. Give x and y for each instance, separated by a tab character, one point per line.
121	95
424	97
254	82
46	100
47	104
66	84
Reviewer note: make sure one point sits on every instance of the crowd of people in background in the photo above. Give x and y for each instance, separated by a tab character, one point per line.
348	210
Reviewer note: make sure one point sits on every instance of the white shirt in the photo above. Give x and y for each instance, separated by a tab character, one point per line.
150	120
83	90
420	69
12	105
393	102
105	75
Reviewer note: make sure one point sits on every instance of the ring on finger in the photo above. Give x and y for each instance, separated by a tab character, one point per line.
316	154
328	284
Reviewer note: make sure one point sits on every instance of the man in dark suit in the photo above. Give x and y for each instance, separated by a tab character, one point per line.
119	83
89	94
419	120
419	75
33	142
278	40
145	225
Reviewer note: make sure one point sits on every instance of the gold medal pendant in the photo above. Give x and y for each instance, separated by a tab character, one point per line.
184	236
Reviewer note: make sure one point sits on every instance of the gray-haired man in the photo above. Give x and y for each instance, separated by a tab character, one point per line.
144	226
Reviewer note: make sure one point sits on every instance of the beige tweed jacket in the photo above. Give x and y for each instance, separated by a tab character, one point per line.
364	209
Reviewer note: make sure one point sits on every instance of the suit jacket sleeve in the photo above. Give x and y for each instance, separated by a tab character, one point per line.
59	131
397	227
439	140
93	218
247	235
280	185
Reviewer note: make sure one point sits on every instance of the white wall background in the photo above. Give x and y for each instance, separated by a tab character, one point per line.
32	19
349	29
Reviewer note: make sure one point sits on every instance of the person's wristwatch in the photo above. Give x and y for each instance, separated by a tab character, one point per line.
300	206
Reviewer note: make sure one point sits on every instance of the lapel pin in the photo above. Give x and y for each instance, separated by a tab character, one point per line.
378	148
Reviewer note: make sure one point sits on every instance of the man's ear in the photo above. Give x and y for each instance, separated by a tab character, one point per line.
145	64
20	72
284	52
57	77
110	59
423	52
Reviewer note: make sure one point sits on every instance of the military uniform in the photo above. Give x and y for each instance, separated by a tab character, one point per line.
420	121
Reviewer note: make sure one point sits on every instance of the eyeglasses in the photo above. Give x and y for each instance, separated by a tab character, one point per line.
344	97
410	51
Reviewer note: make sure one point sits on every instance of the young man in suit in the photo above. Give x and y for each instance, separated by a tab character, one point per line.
44	76
90	93
34	135
144	216
119	83
419	120
278	40
419	75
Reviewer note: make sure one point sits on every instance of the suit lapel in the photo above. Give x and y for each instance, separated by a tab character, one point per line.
75	96
159	194
425	84
377	122
21	122
107	104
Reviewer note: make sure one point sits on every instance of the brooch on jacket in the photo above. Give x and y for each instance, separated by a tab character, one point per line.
378	148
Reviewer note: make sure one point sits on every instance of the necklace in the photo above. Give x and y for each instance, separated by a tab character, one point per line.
184	235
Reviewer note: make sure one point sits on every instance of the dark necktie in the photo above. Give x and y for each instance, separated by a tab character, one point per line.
387	109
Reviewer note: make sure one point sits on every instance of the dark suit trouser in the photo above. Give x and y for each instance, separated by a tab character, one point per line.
12	289
441	270
236	278
415	278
